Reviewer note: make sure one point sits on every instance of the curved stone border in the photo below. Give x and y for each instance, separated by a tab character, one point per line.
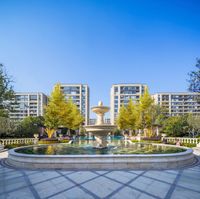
130	161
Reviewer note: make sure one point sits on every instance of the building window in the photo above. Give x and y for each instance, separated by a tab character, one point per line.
116	90
33	97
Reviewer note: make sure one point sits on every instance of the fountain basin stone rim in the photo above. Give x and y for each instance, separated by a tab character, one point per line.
116	161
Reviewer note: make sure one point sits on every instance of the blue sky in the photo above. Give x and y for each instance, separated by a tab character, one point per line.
100	43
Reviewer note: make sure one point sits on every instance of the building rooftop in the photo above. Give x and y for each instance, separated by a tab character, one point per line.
184	92
129	84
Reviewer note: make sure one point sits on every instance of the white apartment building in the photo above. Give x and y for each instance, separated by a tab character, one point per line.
28	104
121	94
79	93
178	103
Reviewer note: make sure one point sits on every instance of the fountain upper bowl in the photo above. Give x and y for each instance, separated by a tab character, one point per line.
100	109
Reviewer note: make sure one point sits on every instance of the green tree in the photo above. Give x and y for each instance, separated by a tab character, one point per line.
146	104
176	126
74	119
6	92
143	115
194	79
29	126
122	119
61	113
56	111
158	115
132	114
7	127
194	123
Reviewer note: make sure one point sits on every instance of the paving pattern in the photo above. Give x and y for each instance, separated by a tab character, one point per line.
108	184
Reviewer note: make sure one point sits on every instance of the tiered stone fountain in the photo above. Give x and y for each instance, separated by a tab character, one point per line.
100	130
21	157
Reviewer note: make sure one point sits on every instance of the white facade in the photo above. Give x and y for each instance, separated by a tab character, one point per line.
79	93
121	94
28	104
178	103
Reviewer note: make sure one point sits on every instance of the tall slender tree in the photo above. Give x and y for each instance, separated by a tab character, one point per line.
55	111
145	110
6	92
132	114
194	78
140	115
74	118
122	119
61	113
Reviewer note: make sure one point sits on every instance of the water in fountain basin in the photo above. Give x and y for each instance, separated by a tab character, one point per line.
87	148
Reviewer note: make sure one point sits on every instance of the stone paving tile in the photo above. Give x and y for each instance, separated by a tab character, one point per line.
15	174
81	176
181	193
75	193
41	176
191	174
121	176
66	172
47	189
59	181
136	172
12	184
190	179
31	172
101	186
128	193
173	172
197	169
5	170
162	176
24	193
151	186
101	172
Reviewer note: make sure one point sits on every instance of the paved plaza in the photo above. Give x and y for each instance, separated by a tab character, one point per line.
115	184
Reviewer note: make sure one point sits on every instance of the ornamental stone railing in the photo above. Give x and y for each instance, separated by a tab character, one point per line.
17	141
182	140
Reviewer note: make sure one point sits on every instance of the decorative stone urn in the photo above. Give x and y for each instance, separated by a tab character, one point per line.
36	138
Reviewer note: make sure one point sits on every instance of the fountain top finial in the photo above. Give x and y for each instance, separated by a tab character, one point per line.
100	103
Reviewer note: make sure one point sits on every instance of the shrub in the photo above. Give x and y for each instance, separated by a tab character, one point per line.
158	138
147	141
190	145
11	146
134	141
64	141
48	141
52	141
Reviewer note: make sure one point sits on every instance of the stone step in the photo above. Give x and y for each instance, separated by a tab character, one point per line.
1	147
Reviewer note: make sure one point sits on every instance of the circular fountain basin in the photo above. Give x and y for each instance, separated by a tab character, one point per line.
125	156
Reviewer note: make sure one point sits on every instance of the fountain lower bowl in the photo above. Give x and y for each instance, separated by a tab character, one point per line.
102	161
102	127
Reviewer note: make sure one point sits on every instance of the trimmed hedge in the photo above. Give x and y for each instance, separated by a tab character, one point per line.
147	141
52	141
11	146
